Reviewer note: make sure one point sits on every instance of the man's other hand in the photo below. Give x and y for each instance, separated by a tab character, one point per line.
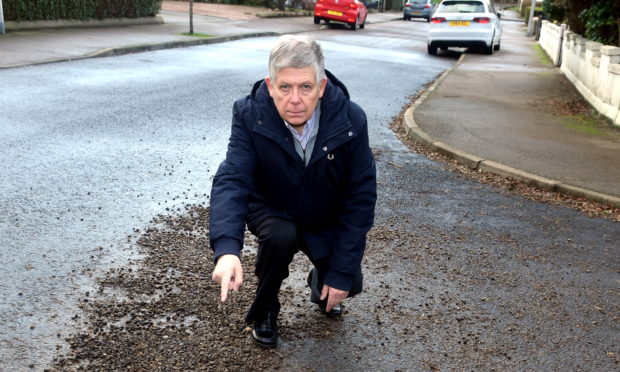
228	273
334	296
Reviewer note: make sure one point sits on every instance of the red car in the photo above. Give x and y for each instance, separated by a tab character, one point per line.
351	12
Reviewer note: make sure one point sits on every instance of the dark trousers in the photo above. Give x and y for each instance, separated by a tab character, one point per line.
278	242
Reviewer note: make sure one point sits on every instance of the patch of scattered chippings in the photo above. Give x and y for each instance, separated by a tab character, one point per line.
165	314
472	294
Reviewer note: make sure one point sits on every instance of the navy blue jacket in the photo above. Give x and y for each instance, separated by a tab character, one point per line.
331	200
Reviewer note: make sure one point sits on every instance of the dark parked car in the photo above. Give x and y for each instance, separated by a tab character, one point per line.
371	4
418	9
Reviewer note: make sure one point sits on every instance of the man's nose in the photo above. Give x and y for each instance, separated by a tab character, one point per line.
295	97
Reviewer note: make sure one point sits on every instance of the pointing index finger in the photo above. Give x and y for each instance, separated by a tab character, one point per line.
224	288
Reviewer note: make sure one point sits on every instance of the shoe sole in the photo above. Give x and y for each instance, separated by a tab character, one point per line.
330	314
264	344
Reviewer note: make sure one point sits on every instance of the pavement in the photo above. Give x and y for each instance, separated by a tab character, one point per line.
509	114
222	22
515	115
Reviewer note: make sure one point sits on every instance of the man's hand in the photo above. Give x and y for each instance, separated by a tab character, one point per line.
228	273
334	296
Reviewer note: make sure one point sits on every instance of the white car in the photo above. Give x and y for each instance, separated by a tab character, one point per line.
465	24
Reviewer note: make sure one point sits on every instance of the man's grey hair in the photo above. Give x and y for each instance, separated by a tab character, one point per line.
296	51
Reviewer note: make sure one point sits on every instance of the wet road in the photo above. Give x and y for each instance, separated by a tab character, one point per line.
92	150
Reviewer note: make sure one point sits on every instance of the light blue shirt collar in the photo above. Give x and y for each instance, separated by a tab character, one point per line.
304	136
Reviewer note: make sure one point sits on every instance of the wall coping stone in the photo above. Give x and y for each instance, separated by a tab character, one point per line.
610	50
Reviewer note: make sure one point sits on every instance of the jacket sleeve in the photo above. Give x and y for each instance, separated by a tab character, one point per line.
357	209
232	184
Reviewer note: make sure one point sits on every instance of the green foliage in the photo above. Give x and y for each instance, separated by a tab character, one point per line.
554	10
33	10
525	10
600	23
526	13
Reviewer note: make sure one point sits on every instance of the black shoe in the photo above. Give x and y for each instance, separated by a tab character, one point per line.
265	331
335	312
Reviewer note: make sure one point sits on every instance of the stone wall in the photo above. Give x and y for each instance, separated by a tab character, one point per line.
551	40
592	67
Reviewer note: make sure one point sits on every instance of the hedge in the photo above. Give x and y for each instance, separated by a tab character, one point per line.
538	11
35	10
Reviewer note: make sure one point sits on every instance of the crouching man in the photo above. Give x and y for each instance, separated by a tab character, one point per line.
300	173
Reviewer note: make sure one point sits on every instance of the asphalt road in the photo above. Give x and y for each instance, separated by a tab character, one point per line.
459	275
92	150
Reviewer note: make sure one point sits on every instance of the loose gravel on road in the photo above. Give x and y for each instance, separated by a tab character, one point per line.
459	275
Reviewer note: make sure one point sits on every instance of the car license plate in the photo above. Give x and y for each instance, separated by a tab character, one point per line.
459	23
333	12
417	13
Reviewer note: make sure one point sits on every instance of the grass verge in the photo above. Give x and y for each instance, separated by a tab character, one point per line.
197	34
542	55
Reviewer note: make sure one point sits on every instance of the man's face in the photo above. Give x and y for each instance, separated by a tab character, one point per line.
296	93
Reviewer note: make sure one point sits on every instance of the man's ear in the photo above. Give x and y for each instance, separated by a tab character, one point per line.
322	87
269	86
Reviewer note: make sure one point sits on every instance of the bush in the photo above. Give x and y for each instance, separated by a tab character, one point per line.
554	10
600	23
525	6
34	10
526	13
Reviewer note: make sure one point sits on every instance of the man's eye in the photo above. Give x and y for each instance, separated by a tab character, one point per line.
284	87
307	87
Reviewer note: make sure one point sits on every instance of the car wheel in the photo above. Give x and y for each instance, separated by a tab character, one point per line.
317	20
489	49
406	18
498	46
428	19
363	24
432	49
355	24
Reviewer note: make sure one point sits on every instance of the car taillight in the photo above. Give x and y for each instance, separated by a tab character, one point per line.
438	19
407	5
482	20
353	5
426	6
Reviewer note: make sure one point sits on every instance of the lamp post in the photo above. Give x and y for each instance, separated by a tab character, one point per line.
191	17
530	24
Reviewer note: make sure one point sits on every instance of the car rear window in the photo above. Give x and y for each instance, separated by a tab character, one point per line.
461	6
417	1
